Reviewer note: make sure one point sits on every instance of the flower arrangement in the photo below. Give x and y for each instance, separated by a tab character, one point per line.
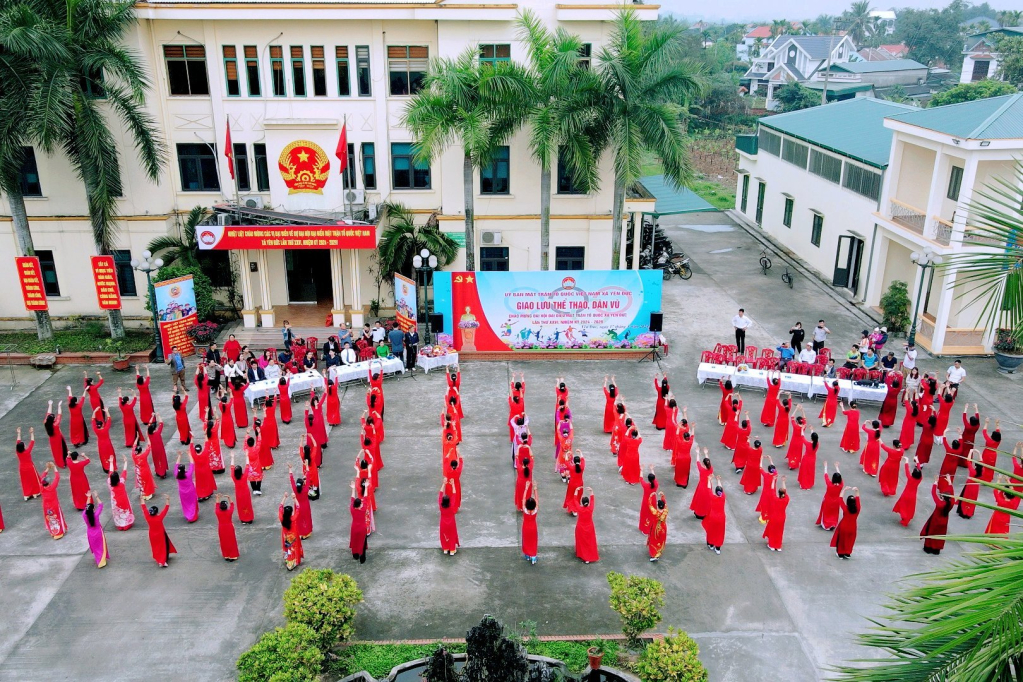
1006	342
468	324
204	332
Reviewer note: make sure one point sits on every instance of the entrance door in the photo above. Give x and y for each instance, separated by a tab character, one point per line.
309	279
761	190
847	262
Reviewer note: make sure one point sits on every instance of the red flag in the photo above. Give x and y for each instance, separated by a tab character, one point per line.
342	148
229	149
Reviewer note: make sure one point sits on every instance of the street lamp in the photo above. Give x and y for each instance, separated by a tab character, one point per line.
149	265
425	263
925	260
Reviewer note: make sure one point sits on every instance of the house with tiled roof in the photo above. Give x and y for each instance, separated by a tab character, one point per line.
794	59
980	55
756	39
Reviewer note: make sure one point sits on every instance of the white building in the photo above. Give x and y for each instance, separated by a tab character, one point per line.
853	188
795	59
283	74
980	55
752	43
884	19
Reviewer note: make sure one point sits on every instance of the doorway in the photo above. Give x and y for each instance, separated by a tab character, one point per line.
308	272
848	259
761	191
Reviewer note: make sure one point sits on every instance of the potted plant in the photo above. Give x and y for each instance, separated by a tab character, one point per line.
1008	351
202	335
120	360
596	654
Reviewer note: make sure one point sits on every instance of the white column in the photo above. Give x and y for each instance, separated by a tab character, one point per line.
337	288
248	305
879	262
945	296
889	188
358	319
965	197
936	195
266	312
637	241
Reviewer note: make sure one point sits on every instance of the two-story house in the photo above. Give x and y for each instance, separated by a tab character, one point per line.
980	55
795	59
753	43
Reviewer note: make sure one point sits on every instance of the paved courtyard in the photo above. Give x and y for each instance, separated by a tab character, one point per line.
757	615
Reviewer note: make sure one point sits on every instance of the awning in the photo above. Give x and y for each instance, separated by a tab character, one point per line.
671	201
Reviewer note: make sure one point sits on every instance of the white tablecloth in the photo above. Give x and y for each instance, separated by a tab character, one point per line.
847	389
257	390
428	363
757	378
360	370
306	381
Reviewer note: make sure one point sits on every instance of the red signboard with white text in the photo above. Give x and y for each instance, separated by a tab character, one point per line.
30	274
105	275
342	236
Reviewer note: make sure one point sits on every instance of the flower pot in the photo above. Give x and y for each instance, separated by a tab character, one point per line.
1008	362
596	656
121	365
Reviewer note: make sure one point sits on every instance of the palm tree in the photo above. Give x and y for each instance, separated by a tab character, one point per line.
183	249
559	117
402	239
779	27
857	20
1010	17
645	90
473	105
93	74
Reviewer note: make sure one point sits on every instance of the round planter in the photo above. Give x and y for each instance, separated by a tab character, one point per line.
1008	362
596	656
121	365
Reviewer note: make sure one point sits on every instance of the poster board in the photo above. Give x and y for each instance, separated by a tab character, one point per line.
104	274
405	302
30	275
176	312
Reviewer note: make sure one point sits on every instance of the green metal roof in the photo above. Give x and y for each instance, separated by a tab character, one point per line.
671	201
877	67
836	89
994	118
853	128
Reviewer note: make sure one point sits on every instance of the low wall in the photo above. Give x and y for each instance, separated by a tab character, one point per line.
140	358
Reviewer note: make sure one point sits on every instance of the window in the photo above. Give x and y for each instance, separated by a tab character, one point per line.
29	175
566	184
234	88
494	176
362	70
319	71
241	167
980	70
344	77
298	70
348	177
786	218
125	273
493	54
826	166
262	171
252	70
369	166
406	173
955	183
795	153
586	55
406	68
494	258
186	69
198	166
569	257
769	142
745	193
862	181
818	227
49	272
277	71
92	85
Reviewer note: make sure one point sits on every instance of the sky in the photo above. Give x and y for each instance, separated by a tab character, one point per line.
743	10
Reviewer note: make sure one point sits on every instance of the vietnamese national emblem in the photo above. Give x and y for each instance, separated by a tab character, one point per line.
304	166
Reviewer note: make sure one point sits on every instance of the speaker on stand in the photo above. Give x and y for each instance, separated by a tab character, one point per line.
656	324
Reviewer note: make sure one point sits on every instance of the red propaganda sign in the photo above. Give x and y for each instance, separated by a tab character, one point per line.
343	236
105	275
31	276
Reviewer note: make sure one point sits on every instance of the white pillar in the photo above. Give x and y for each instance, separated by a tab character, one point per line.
358	318
637	239
248	305
944	308
965	197
936	195
872	293
337	287
266	311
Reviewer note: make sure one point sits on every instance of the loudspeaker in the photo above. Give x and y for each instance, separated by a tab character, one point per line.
656	320
436	321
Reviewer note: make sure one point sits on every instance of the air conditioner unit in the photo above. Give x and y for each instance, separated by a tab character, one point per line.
225	219
252	201
491	238
355	196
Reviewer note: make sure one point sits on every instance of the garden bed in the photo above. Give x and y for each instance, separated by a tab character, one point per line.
76	342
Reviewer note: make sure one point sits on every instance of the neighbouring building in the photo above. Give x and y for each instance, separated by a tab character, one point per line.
980	55
753	43
795	59
286	78
880	74
884	19
853	188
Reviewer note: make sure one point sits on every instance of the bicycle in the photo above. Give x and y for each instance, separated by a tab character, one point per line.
765	262
787	278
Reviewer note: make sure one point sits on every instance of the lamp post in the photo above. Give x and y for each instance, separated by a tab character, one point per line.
425	263
925	260
148	265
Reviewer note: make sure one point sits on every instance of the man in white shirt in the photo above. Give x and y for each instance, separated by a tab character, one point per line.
741	324
807	356
956	374
909	360
820	336
348	356
378	333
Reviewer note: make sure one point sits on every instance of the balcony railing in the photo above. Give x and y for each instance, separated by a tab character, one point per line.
942	231
908	216
748	144
972	235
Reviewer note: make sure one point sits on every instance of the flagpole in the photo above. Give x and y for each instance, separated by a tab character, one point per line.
344	171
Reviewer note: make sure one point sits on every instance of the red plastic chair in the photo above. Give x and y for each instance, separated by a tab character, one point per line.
707	356
767	352
859	374
730	348
719	348
875	375
751	353
824	355
842	372
367	353
818	370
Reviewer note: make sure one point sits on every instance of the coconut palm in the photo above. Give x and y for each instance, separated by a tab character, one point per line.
92	80
1010	17
475	106
560	115
402	239
857	20
184	249
645	89
779	27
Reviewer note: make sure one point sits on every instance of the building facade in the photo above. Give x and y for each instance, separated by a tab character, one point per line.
980	55
285	78
795	59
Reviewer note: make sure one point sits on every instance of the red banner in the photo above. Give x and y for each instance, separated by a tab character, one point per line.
31	276
172	333
105	275
345	236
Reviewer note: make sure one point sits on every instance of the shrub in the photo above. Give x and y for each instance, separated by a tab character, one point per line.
1006	342
895	307
325	601
378	659
205	304
441	667
672	659
287	654
636	600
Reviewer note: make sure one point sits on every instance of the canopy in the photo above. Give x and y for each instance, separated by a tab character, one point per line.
671	201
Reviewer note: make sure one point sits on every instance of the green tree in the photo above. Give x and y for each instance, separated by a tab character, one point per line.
636	600
795	96
1010	17
402	239
558	117
185	248
933	36
1010	62
93	78
857	21
779	27
644	92
470	104
967	92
